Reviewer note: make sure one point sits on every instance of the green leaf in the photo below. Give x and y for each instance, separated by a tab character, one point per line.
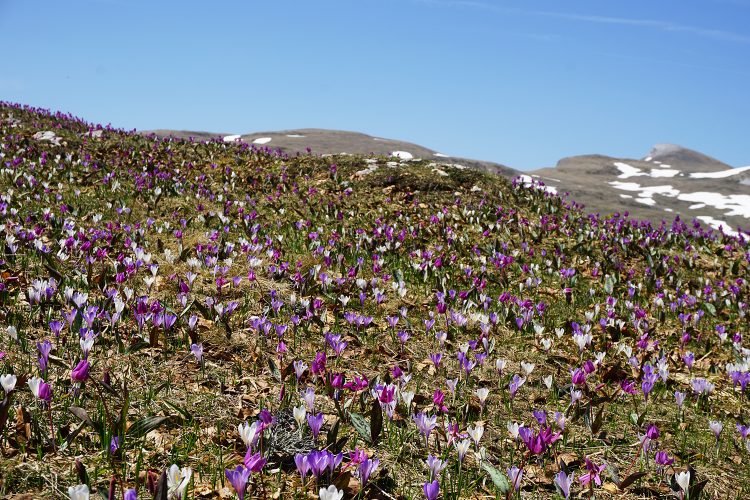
146	425
186	415
498	478
376	420
609	285
630	480
361	426
710	309
333	434
274	369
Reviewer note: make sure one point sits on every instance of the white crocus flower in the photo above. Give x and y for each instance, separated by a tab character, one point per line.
482	393
8	382
177	480
683	480
249	433
407	397
80	492
330	493
299	415
476	432
34	385
513	428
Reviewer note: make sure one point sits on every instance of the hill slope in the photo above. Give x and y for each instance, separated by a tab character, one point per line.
670	181
202	317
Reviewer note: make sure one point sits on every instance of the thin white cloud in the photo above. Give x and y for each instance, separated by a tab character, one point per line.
666	26
649	23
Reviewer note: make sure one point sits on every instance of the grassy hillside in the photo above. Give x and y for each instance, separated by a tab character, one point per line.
232	312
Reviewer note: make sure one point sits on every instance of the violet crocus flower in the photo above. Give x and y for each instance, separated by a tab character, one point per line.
303	465
679	398
114	444
516	476
318	462
436	358
431	490
315	423
435	465
238	478
425	424
130	494
716	427
44	349
366	468
197	350
564	482
515	383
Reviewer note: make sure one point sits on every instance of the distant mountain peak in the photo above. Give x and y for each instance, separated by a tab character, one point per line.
688	160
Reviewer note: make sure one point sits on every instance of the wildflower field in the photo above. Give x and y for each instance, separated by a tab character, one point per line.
185	319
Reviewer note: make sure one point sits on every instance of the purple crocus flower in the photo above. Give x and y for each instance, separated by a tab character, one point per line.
431	490
578	377
130	494
238	478
254	461
81	372
662	458
40	389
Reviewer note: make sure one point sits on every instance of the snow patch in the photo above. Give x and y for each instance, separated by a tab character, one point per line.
645	193
664	172
626	196
627	171
404	155
718	224
697	206
530	181
295	136
648	158
48	135
231	138
735	204
720	174
262	140
441	155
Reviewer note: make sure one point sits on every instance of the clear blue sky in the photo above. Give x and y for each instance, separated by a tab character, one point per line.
522	83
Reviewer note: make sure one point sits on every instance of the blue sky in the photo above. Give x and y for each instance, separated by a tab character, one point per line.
522	83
